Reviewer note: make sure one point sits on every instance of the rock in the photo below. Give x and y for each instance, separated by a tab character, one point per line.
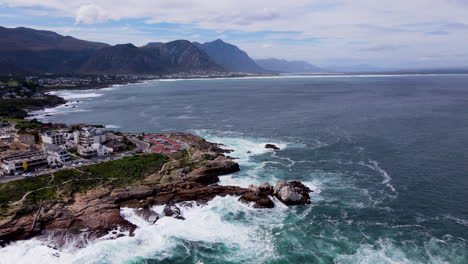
259	195
292	193
147	214
259	201
173	211
208	174
271	146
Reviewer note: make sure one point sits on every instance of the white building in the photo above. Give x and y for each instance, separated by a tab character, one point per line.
53	137
87	136
56	155
101	150
96	149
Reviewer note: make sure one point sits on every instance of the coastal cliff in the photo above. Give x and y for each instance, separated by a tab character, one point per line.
88	200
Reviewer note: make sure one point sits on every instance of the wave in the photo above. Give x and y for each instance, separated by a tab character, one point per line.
222	223
79	94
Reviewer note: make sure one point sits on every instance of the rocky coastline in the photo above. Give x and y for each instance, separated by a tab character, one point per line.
96	212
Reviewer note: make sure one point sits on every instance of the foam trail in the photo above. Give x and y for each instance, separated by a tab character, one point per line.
374	165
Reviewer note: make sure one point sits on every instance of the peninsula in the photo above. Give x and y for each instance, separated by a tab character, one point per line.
62	181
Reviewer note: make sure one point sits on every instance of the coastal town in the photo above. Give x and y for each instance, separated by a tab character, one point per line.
28	148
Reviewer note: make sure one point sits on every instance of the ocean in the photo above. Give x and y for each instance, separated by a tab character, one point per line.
385	156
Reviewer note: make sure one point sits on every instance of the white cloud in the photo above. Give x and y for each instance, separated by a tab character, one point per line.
90	14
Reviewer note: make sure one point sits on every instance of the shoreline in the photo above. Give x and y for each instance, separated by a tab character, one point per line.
175	178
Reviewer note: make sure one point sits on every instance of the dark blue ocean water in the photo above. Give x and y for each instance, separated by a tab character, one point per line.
386	156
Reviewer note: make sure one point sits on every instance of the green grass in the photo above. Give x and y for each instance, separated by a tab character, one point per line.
62	184
13	84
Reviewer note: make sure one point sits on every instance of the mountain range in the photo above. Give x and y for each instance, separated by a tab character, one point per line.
25	50
229	56
284	66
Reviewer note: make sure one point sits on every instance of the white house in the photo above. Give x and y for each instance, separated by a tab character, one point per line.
56	155
101	150
53	138
96	149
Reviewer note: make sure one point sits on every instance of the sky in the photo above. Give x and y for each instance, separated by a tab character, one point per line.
382	33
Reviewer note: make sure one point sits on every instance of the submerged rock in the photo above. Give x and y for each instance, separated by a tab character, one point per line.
292	193
271	146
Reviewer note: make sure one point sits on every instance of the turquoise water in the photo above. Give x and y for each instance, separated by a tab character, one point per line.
386	157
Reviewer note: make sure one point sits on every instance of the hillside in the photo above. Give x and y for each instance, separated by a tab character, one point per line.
230	57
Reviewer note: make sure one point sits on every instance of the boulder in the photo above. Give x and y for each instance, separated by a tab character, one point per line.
292	193
259	201
271	146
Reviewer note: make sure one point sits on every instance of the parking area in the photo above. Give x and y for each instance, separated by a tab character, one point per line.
162	144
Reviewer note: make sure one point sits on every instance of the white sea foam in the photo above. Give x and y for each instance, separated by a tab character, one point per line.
208	225
374	165
244	150
384	252
73	95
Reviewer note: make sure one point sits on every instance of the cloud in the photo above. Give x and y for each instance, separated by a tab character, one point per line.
90	14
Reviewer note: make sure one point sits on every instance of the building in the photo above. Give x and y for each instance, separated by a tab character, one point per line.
94	150
7	137
23	161
101	150
56	155
114	145
87	151
87	136
53	137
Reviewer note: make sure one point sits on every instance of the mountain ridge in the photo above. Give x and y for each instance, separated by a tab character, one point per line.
30	51
285	66
230	56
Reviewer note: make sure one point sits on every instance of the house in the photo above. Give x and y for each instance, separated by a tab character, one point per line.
87	136
101	150
114	145
56	155
87	151
23	161
53	137
94	150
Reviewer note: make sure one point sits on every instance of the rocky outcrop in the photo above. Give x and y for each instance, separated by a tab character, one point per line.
271	146
97	211
289	193
292	193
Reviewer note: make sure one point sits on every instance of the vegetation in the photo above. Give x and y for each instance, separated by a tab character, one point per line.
17	108
62	184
